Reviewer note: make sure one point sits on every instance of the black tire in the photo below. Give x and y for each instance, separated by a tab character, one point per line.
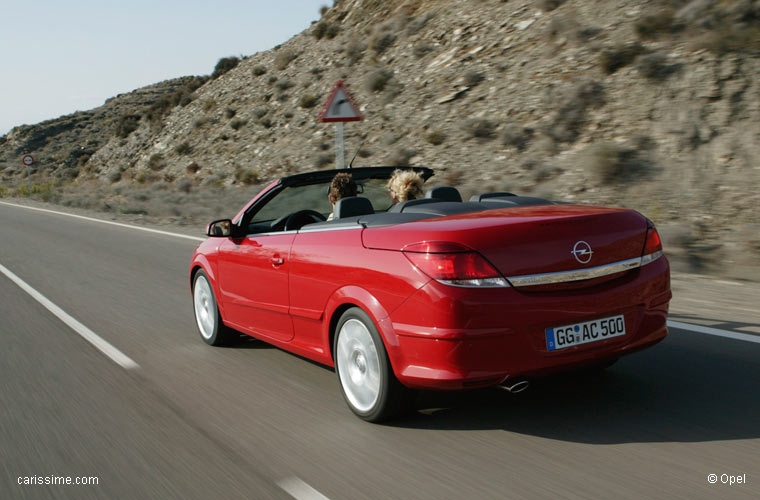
350	355
208	320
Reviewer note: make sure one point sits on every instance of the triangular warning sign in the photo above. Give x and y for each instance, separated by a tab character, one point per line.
340	106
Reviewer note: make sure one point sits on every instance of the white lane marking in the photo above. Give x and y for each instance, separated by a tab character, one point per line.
299	489
714	331
92	219
103	346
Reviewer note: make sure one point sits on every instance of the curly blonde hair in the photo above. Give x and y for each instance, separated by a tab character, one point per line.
407	184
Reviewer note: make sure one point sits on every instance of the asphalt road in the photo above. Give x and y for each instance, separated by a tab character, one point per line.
252	421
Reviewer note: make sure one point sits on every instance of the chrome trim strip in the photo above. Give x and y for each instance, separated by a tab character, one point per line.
256	235
574	275
321	229
648	259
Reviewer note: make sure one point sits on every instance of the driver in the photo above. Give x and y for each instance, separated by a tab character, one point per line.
342	186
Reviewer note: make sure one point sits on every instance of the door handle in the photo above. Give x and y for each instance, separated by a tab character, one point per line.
277	261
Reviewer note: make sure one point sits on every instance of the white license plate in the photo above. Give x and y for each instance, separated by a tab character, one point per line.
561	337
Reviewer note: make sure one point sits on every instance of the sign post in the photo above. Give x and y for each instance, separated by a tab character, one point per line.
340	108
28	160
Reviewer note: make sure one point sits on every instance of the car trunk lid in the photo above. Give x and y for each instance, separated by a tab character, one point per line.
526	241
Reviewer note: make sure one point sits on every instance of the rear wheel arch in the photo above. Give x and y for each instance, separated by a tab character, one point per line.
355	296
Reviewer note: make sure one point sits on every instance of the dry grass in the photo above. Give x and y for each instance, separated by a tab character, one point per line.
481	128
567	123
435	137
283	58
611	163
381	41
378	79
613	59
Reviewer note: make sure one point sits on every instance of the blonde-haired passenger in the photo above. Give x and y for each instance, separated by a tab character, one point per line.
405	185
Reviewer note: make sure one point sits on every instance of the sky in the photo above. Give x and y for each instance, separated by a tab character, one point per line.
58	57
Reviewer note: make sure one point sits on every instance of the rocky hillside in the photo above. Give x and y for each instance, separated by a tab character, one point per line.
650	104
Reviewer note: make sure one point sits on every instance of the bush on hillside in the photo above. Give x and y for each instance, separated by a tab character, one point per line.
224	65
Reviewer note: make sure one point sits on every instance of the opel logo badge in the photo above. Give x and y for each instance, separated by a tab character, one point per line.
582	252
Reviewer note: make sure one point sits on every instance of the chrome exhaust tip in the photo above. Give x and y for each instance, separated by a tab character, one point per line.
515	386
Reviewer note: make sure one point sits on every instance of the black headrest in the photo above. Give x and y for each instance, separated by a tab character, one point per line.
484	196
353	206
399	207
445	193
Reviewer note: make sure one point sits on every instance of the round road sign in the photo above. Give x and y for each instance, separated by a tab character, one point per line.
28	160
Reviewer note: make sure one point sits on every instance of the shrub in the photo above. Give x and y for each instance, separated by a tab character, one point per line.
738	38
259	112
355	51
382	41
266	122
185	185
548	5
401	157
653	25
229	113
258	70
156	162
283	58
612	163
436	137
237	123
323	159
308	101
320	29
283	85
472	78
378	79
618	57
209	104
126	125
215	180
224	65
420	50
332	31
417	23
145	177
183	148
364	153
480	127
192	168
247	176
569	119
517	137
654	67
132	211
323	10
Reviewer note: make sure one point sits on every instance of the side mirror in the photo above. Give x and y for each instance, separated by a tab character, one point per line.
220	228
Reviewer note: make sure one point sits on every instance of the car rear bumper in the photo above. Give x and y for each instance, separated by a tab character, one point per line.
450	338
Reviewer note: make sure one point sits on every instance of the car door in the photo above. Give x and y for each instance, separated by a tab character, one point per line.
253	282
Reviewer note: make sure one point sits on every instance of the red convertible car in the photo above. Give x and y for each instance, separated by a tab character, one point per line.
432	293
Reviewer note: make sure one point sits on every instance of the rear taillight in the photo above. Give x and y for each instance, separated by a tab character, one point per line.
453	264
652	247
